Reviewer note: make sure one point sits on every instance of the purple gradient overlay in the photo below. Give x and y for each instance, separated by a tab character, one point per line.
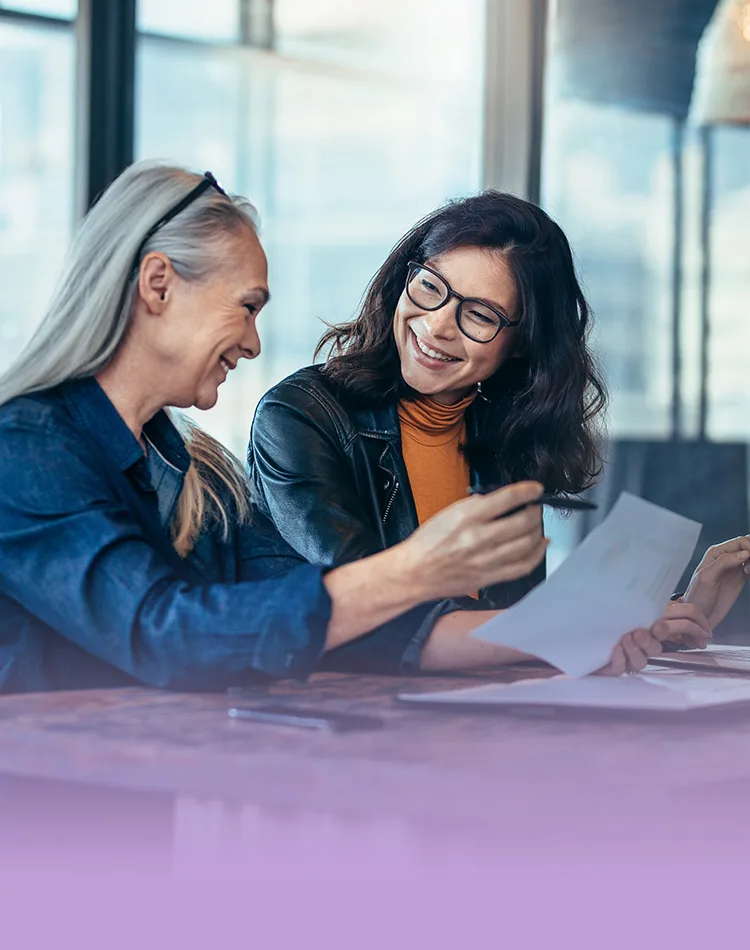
549	867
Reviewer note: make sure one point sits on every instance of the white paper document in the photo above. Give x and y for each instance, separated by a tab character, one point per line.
678	692
620	577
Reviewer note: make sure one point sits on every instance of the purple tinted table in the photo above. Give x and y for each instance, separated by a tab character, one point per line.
423	765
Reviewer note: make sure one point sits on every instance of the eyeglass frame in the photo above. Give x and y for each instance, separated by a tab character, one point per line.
413	266
207	181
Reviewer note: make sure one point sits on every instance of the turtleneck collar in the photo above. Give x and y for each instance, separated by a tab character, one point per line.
431	421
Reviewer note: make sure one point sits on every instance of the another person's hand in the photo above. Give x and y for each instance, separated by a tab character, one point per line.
470	545
719	578
680	622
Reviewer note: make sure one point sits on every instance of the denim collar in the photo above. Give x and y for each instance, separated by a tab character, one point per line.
92	410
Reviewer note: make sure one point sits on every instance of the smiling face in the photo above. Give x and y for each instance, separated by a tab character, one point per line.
437	359
202	330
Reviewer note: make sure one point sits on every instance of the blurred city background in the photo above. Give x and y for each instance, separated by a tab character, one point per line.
345	121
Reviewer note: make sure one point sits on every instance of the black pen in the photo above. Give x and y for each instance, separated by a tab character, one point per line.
551	501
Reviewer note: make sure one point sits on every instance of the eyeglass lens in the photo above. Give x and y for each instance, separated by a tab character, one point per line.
430	292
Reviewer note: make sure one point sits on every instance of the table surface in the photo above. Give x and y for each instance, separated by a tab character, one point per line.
423	763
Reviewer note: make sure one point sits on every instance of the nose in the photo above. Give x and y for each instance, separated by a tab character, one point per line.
442	323
250	342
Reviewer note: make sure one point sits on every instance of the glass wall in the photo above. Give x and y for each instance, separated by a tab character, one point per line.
623	171
729	340
216	20
65	9
37	97
656	209
363	119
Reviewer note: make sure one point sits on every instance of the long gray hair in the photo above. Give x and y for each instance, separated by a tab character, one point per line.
92	306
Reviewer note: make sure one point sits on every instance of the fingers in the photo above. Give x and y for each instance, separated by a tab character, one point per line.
742	543
526	524
682	631
739	546
635	656
498	503
683	623
722	563
467	547
632	653
618	663
482	529
505	566
679	610
505	548
516	550
647	641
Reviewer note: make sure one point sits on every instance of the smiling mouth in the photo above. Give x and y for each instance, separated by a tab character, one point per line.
226	365
435	354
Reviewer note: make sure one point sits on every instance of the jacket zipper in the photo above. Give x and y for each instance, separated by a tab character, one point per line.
390	501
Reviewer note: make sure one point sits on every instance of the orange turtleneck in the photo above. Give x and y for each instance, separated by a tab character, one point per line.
430	437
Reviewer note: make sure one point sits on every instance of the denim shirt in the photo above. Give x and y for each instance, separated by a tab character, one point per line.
166	479
92	593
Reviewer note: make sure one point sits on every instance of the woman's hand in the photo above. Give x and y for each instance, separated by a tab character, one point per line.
632	652
469	545
465	547
719	578
680	622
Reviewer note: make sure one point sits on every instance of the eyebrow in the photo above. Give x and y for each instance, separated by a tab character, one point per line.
485	300
489	303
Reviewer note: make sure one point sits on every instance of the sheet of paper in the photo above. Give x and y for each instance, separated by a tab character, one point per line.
620	577
652	691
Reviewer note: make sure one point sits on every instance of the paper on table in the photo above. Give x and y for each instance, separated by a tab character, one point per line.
660	691
620	577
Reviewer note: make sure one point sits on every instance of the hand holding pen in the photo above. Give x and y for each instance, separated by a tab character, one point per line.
472	544
550	501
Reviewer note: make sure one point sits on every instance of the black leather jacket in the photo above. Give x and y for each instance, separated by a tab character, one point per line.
332	477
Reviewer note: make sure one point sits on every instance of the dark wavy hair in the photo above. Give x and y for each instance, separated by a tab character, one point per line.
541	418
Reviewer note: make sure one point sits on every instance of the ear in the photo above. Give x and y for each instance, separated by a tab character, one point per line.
155	282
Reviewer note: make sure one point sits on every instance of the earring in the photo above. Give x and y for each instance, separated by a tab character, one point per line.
480	393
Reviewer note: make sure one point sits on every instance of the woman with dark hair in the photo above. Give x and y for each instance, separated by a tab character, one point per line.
467	365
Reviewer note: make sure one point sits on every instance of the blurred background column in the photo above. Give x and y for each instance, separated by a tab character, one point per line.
106	70
514	92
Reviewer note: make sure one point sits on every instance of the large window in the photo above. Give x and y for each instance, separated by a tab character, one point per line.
207	20
653	187
607	180
607	177
37	95
363	119
624	171
729	302
65	9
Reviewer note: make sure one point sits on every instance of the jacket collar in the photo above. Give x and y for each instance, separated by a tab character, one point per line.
92	410
382	423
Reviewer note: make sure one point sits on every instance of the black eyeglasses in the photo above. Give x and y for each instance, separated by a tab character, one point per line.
208	181
476	320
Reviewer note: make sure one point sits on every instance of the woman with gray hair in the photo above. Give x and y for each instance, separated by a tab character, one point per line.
127	550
